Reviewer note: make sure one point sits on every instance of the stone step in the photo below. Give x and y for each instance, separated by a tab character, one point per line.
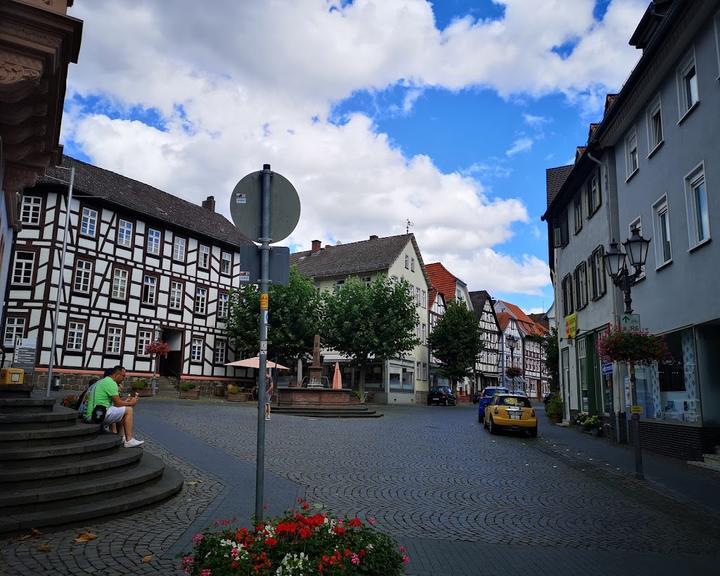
67	466
148	468
711	458
708	464
13	405
99	443
93	506
15	390
327	413
60	416
57	433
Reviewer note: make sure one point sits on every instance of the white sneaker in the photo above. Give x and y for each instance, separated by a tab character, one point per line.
267	417
133	442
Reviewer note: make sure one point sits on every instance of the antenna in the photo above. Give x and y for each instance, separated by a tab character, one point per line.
408	225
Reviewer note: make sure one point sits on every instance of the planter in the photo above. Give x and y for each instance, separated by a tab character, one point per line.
219	390
143	392
190	394
238	397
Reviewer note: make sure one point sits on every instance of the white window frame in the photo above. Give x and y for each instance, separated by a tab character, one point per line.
578	217
113	340
120	283
661	232
83	276
149	290
14	325
204	256
631	142
201	298
74	343
225	263
31	210
223	306
125	233
154	243
692	180
220	351
88	222
179	248
196	349
175	300
144	338
407	262
25	267
655	109
412	264
594	193
684	109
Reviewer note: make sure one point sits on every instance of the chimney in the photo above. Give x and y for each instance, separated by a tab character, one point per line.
315	246
209	204
373	237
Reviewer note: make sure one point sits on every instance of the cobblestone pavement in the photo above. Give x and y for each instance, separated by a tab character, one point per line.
138	543
434	473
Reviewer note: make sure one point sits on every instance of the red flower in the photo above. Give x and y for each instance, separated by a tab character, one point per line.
355	522
305	532
270	542
339	530
305	506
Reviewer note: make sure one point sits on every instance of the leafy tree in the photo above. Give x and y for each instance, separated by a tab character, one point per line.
552	359
456	342
293	319
370	322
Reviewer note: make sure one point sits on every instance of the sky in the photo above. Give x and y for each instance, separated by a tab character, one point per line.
442	114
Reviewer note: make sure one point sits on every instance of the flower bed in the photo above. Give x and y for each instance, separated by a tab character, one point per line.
299	542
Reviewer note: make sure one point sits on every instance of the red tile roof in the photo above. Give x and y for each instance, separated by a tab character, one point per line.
526	324
503	320
442	280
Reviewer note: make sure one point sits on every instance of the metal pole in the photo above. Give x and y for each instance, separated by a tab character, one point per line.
264	280
56	311
635	419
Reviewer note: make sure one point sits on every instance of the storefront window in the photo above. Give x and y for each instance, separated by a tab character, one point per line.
582	374
402	381
374	377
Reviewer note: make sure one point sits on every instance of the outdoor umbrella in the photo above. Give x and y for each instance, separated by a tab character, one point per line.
255	363
337	378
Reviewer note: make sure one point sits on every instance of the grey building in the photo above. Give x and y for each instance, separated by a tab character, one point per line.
657	151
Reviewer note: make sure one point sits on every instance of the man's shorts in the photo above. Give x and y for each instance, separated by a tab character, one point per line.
114	414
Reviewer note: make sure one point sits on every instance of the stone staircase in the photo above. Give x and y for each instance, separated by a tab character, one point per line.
55	469
328	411
709	461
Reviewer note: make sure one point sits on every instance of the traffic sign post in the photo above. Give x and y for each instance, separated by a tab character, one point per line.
265	208
630	322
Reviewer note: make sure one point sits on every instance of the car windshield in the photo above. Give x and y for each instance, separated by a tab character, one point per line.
489	392
513	401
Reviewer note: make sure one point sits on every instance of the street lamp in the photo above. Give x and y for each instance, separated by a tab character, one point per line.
616	265
512	341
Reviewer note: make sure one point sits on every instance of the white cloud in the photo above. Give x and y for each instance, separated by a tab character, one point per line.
522	144
246	83
535	121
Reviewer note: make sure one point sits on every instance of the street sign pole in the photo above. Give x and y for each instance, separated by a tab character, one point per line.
264	306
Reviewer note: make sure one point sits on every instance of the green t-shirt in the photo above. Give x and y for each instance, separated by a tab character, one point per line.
101	393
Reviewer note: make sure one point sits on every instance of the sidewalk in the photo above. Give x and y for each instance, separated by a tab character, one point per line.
668	475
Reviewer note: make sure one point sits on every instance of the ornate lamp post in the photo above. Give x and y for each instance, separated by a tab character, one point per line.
616	264
512	341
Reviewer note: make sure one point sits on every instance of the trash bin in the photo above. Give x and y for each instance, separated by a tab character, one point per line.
219	390
12	376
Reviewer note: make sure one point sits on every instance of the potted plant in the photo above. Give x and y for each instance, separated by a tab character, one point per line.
634	346
237	394
158	349
141	387
555	409
189	391
69	401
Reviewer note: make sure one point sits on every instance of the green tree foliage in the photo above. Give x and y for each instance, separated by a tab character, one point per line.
552	359
370	322
294	317
456	342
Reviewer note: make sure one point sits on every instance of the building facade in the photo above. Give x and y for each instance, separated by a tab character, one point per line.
141	266
436	310
488	367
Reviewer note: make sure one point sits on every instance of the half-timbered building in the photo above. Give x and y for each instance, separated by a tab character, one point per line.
141	265
488	364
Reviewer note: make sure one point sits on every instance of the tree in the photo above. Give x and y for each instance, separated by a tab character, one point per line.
370	322
552	359
456	342
293	319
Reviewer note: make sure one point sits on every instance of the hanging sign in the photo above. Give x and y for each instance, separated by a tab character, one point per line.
571	325
264	301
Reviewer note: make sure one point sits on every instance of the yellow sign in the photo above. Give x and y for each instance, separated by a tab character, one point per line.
264	301
636	409
571	325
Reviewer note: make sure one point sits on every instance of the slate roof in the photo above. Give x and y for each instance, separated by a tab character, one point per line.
341	260
145	200
554	179
443	280
478	299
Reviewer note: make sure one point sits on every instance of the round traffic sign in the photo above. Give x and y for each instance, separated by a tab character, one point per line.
246	205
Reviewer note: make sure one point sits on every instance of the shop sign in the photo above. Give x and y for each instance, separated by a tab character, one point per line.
607	368
571	325
636	409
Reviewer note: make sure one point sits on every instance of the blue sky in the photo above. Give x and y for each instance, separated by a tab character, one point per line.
445	114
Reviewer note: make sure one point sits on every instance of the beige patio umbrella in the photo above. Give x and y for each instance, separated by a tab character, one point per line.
255	363
337	378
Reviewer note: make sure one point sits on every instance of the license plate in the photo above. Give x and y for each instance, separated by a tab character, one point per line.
514	416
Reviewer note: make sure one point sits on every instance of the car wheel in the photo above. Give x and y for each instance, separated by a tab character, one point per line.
484	423
492	427
445	402
533	432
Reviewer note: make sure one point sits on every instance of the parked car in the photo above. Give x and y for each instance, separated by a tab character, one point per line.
510	412
441	395
486	397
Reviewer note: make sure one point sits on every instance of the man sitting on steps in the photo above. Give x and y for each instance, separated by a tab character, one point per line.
106	393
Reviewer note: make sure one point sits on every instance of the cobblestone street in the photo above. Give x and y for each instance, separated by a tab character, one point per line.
432	477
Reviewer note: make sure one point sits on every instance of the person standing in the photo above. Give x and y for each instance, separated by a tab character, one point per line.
106	393
269	389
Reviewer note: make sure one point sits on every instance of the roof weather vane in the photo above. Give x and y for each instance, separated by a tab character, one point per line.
408	225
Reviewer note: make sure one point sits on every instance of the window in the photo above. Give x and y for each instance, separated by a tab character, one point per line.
423	298
688	94
696	201
144	339
594	199
176	295
154	241
88	222
75	336
125	233
581	292
204	257
149	291
14	329
120	284
179	249
196	350
567	291
424	334
578	212
407	262
83	276
560	231
367	280
417	296
338	285
113	341
201	301
631	155
220	352
663	252
655	125
223	305
412	264
598	272
30	211
225	263
23	268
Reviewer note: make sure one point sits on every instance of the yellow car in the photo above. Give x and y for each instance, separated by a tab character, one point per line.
510	412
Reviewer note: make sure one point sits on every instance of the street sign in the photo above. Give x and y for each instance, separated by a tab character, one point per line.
25	352
250	260
607	368
630	322
636	409
246	206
